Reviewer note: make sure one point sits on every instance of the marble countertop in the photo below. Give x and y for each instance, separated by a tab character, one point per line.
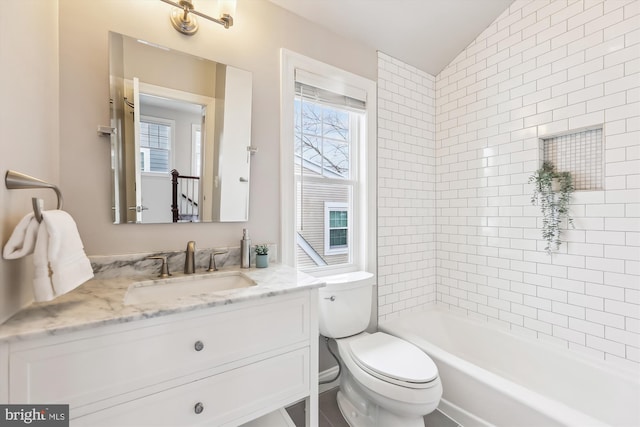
100	302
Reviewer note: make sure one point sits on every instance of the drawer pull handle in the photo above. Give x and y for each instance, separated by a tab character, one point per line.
199	345
198	408
331	298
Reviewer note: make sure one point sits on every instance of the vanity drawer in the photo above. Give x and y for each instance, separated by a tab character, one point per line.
227	399
118	365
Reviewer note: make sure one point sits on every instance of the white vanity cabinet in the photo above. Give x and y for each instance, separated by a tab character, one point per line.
219	366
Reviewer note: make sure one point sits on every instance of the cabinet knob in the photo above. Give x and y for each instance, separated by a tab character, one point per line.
198	408
199	345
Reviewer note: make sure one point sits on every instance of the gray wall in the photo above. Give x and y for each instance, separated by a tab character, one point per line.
28	125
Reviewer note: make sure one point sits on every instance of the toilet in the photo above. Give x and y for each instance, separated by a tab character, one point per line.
385	381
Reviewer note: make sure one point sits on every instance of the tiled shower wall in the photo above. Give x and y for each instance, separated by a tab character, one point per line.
406	187
542	68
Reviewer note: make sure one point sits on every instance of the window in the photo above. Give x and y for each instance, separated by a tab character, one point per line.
336	228
328	218
327	136
155	144
327	141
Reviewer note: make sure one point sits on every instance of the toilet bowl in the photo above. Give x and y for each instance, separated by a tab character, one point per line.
392	382
385	380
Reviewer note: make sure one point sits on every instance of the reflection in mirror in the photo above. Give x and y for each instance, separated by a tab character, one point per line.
182	147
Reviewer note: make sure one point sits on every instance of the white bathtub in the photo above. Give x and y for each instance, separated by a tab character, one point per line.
491	377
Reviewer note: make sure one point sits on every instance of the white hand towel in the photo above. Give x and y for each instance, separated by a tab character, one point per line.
23	239
59	258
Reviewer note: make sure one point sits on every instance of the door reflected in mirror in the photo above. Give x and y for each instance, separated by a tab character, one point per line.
182	147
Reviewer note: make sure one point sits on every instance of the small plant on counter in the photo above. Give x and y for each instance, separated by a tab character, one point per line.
262	249
552	192
262	257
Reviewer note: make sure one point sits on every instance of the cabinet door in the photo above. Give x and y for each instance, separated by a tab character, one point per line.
226	399
80	372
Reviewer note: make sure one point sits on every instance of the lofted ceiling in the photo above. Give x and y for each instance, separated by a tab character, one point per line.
427	34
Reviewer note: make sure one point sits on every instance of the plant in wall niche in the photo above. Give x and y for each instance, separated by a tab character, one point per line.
552	192
262	257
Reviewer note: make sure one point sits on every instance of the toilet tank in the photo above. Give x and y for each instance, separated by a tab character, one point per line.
345	304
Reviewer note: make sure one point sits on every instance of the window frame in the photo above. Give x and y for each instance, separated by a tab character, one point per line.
364	198
196	149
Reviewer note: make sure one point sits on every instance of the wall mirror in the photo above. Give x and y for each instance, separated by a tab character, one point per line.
182	150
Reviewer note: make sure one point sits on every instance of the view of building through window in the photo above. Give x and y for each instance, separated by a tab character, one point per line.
325	143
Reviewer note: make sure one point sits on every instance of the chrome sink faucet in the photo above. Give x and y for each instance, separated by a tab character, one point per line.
190	258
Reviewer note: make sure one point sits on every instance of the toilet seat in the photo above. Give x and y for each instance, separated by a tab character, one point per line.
393	360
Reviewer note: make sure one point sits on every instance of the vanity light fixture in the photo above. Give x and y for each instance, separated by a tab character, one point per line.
184	21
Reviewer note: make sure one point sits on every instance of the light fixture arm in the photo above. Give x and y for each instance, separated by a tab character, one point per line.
186	24
225	20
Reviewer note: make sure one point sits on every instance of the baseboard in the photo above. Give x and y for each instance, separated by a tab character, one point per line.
461	416
327	375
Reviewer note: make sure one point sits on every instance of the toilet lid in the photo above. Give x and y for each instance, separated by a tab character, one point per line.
389	357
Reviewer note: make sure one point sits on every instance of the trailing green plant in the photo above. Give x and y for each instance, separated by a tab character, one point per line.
554	203
262	249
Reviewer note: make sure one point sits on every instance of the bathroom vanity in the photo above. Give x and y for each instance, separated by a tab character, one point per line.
218	359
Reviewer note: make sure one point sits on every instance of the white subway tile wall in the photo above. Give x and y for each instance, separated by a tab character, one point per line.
406	187
542	68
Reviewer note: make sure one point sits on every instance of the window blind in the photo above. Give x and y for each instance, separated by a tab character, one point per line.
332	92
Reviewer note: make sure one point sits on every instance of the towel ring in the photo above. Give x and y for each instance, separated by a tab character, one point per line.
19	181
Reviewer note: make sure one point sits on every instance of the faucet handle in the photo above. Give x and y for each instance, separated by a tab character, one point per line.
212	260
164	270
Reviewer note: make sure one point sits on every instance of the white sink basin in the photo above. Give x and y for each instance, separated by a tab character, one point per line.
166	290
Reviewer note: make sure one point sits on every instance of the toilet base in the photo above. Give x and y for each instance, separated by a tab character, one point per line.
377	416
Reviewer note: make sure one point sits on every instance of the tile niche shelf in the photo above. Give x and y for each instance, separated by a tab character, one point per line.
579	152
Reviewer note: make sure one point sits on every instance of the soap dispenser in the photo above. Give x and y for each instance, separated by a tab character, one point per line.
245	249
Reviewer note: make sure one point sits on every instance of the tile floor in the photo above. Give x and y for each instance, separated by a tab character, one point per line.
330	415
